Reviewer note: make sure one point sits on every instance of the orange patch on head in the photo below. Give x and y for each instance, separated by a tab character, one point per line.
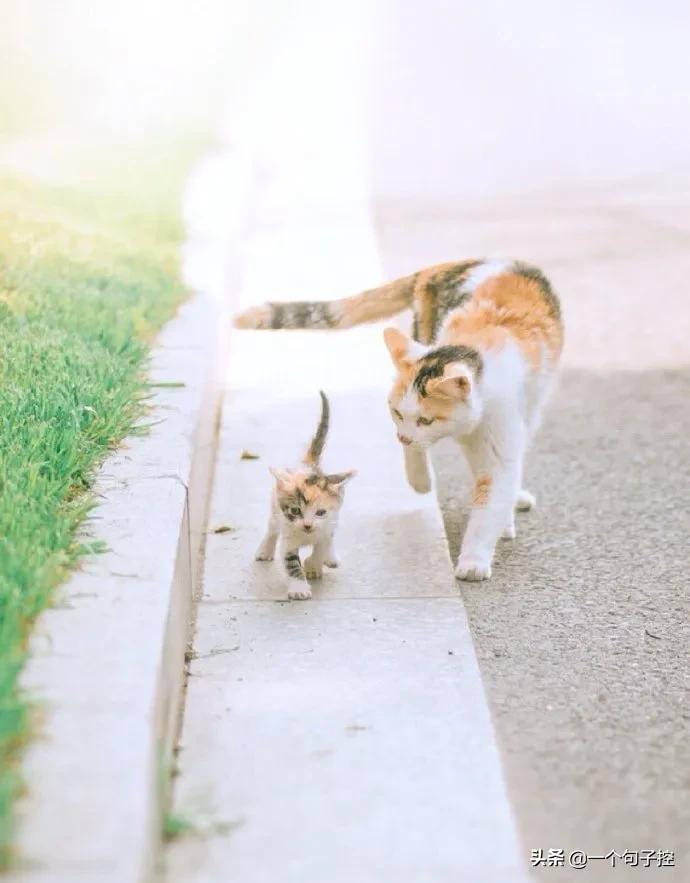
482	487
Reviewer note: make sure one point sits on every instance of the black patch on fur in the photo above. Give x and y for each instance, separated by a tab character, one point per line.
293	565
447	293
536	275
302	314
433	364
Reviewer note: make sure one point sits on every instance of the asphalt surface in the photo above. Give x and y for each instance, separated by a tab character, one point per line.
582	634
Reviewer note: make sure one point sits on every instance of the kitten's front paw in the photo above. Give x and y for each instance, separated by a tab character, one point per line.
332	562
312	570
263	555
419	481
298	590
473	568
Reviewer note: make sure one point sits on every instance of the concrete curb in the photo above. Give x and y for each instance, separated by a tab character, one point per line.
107	661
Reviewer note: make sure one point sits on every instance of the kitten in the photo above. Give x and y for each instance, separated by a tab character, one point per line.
304	512
487	340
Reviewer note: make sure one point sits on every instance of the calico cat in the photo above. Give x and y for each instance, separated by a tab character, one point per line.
487	338
304	512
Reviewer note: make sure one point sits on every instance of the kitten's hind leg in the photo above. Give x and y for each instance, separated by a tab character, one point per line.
417	469
313	565
267	548
331	559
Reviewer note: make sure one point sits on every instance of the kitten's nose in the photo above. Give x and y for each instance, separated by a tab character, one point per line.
404	439
307	527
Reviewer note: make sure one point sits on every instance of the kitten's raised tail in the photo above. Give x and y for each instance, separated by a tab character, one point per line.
369	306
313	455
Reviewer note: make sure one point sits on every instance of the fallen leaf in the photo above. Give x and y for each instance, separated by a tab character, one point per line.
223	528
247	455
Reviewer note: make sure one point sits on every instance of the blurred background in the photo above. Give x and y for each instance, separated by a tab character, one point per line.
443	99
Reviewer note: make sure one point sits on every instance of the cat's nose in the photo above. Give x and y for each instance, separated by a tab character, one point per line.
404	439
307	527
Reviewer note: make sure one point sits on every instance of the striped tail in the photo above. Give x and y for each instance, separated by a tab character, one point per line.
369	306
313	455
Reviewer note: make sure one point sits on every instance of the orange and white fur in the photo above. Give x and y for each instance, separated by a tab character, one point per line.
487	338
304	512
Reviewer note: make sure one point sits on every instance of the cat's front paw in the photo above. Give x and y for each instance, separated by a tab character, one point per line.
298	590
332	562
312	569
263	555
473	568
420	481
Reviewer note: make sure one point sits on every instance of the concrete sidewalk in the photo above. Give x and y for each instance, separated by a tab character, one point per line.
344	738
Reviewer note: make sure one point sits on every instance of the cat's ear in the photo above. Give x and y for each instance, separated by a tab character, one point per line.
282	476
455	383
337	479
403	349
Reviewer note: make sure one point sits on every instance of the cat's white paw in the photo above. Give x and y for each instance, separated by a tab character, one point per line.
419	480
417	470
473	568
312	570
332	562
525	500
263	555
298	590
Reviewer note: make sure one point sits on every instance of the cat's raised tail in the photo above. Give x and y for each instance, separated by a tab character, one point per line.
369	306
315	449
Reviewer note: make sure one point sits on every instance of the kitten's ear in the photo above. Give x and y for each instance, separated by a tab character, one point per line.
455	383
282	476
339	478
402	348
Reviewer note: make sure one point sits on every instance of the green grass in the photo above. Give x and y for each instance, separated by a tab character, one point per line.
88	273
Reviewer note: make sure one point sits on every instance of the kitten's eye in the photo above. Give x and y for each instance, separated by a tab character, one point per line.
425	421
397	414
321	512
295	511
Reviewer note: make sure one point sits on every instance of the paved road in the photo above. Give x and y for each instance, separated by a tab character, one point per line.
583	634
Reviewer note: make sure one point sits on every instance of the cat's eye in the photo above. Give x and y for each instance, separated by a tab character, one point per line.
294	510
397	414
321	512
425	421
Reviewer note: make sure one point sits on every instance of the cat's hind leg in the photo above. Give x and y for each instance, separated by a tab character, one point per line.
417	469
496	462
525	501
